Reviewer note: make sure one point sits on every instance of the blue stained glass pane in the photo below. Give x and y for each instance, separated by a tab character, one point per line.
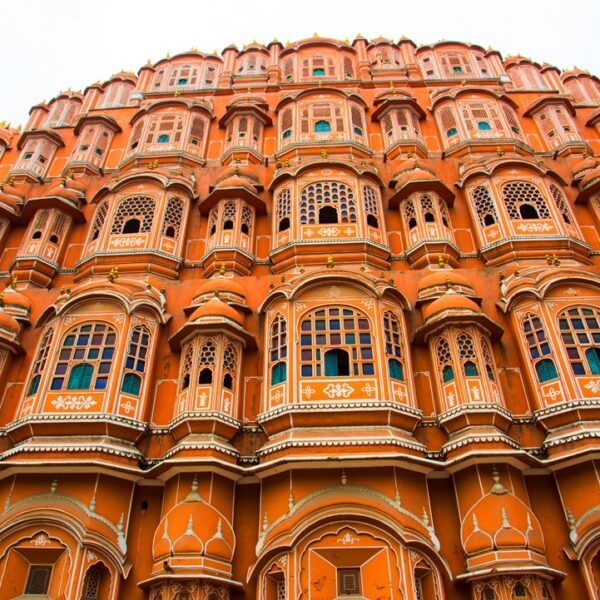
368	369
101	383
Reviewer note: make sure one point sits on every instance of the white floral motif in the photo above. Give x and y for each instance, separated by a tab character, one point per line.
552	393
90	557
127	407
451	398
368	389
476	393
338	390
534	227
347	539
127	242
76	402
593	386
328	231
308	391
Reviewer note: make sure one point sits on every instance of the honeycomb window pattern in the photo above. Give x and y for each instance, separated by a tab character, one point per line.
331	193
519	194
137	207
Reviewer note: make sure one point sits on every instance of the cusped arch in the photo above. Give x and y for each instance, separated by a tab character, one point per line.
355	503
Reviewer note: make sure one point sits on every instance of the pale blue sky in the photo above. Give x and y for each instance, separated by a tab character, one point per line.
48	46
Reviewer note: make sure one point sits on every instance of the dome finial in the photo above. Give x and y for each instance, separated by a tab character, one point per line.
497	487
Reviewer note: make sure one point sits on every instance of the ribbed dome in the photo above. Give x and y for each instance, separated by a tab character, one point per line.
450	301
236	181
585	165
217	308
220	284
194	526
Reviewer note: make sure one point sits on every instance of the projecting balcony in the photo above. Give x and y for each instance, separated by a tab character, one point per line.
326	142
487	141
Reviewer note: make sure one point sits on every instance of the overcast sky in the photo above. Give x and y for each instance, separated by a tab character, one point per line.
48	46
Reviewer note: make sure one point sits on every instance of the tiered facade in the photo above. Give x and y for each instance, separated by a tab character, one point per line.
310	321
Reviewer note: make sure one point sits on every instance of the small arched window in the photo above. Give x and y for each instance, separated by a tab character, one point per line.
467	355
318	72
207	361
451	132
229	366
99	220
40	363
284	210
371	206
138	208
85	358
131	226
444	360
328	214
337	363
539	348
163	138
484	206
483	126
186	367
278	350
524	201
173	218
393	345
135	360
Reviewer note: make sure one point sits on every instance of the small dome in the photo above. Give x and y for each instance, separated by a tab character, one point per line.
12	298
8	323
236	181
443	277
450	301
217	308
585	165
220	284
590	176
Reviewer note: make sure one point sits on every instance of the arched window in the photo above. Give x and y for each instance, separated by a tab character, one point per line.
286	123
284	209
85	358
540	351
483	126
488	360
328	214
138	208
484	206
523	200
371	206
393	345
327	193
93	582
444	360
186	367
229	363
467	355
135	360
488	594
40	362
278	350
99	221
345	331
173	218
519	591
206	361
580	334
561	204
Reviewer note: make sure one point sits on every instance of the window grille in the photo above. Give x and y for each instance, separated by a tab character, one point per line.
371	206
449	125
327	193
519	591
229	215
40	362
116	94
518	194
455	65
488	359
348	68
466	349
186	366
284	206
173	218
409	213
335	328
207	354
229	358
484	206
316	66
488	594
482	119
286	122
99	221
561	204
393	345
136	207
584	90
38	580
281	593
246	224
348	582
556	126
197	133
85	358
580	334
93	580
356	114
136	135
288	69
444	359
41	220
212	220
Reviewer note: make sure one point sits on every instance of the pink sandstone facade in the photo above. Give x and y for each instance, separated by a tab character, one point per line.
306	322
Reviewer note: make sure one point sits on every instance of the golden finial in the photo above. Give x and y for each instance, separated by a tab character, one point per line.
283	279
286	163
315	34
302	269
70	173
177	93
497	487
1	298
148	284
215	51
19	127
323	153
148	62
441	262
346	41
222	269
330	263
114	274
271	285
13	283
449	283
410	155
463	82
153	164
499	151
168	55
320	83
11	180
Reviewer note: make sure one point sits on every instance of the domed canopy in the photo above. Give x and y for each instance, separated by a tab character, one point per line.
501	522
15	303
437	282
235	185
8	323
413	176
453	308
214	316
225	288
193	528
